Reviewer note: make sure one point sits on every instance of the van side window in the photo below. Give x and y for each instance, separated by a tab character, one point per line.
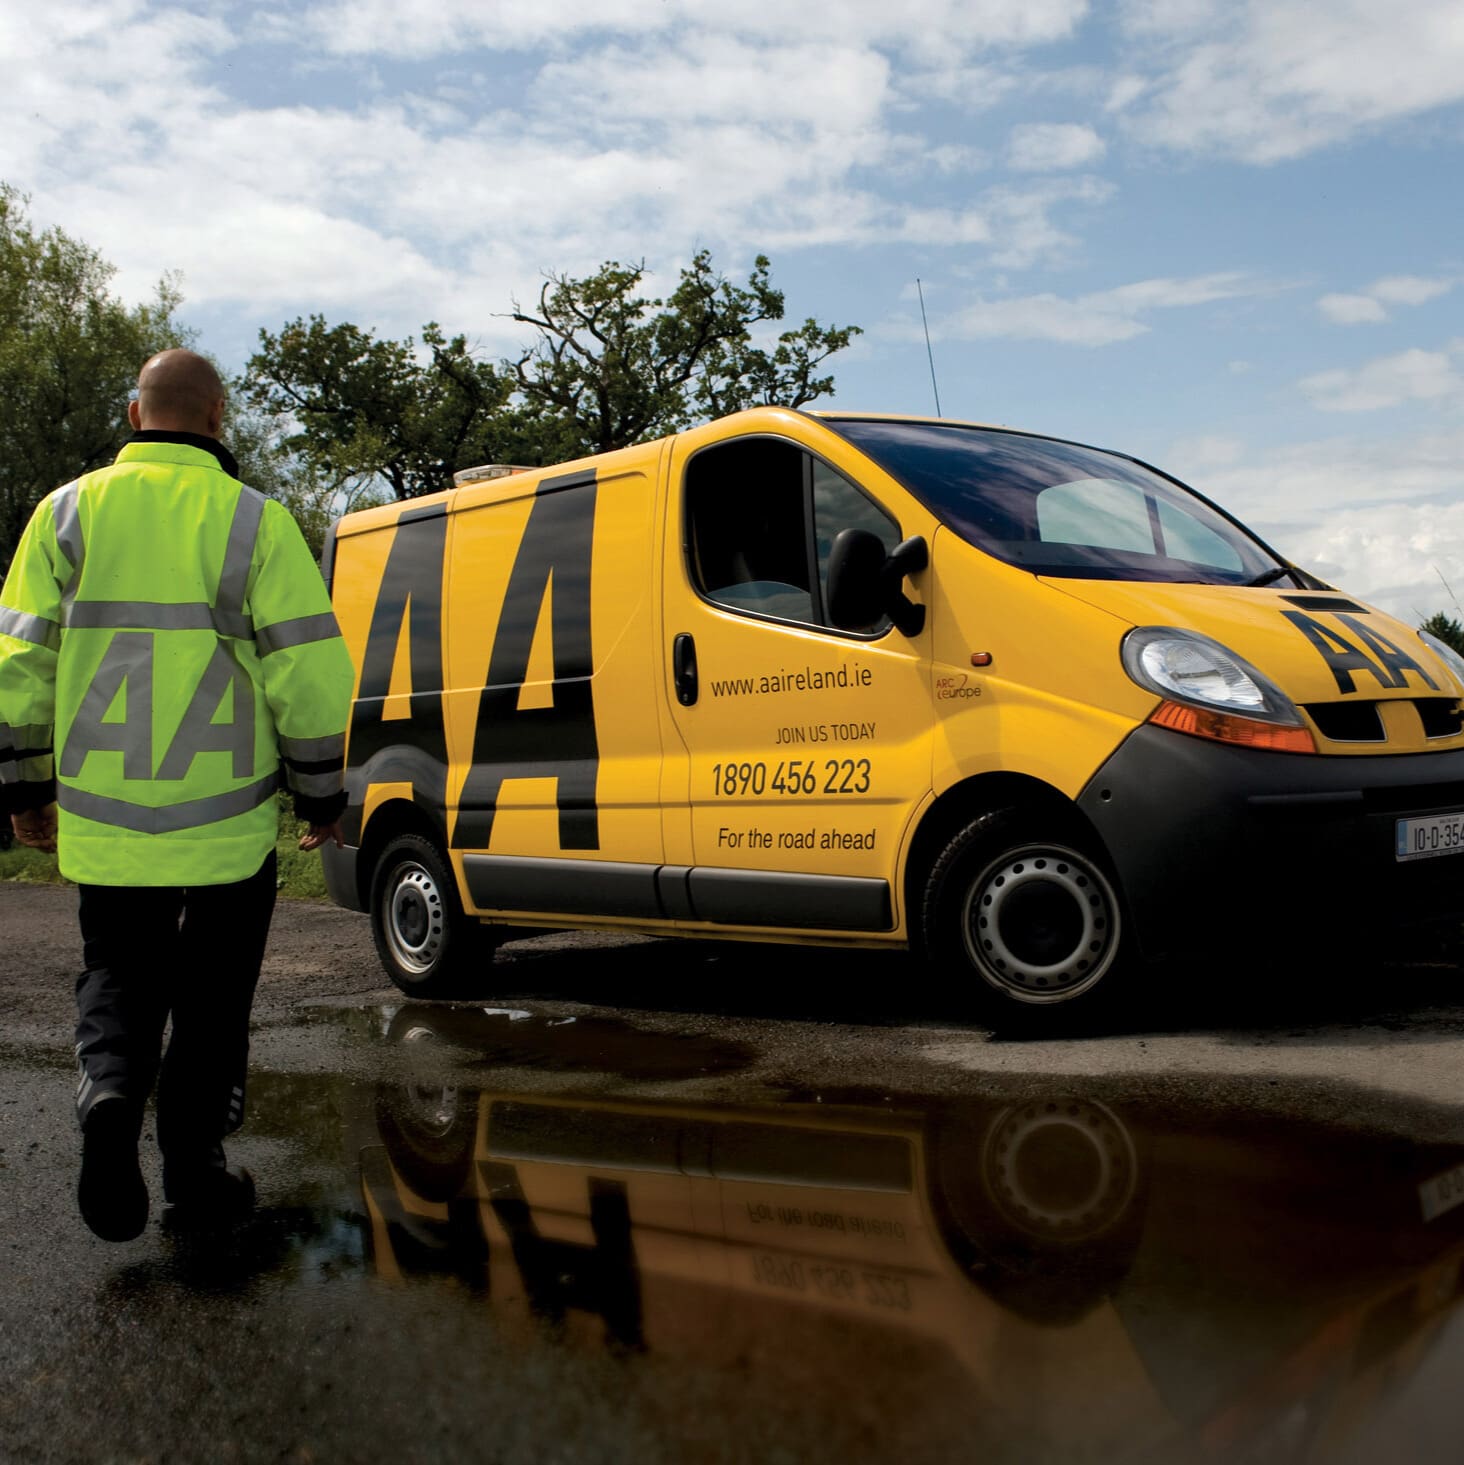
761	518
839	505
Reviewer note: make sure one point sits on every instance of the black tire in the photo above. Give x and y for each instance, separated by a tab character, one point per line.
428	945
1016	903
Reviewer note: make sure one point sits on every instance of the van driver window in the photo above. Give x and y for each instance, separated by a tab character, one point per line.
761	516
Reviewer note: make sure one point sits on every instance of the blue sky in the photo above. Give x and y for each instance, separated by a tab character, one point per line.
1227	237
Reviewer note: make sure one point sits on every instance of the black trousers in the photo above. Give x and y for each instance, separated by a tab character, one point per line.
190	954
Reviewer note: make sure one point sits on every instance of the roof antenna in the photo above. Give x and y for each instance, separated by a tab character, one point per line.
1445	584
929	354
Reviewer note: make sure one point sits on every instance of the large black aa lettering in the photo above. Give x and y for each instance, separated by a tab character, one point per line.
557	741
411	592
1397	661
1337	651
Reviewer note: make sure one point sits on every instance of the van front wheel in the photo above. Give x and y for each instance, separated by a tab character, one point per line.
1029	913
429	946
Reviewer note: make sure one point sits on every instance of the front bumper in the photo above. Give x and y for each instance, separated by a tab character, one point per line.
1207	839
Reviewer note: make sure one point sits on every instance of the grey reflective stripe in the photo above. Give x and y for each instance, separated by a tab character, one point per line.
154	615
23	738
140	615
36	629
128	659
66	519
239	554
121	814
297	632
199	733
314	750
314	785
28	768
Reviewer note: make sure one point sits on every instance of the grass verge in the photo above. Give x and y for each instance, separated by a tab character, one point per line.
301	876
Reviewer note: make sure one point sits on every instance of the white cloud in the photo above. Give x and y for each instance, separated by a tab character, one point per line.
1378	517
1190	457
1265	80
1305	482
1408	561
1097	319
1044	147
672	127
923	28
1387	382
702	77
1370	305
1352	310
1409	289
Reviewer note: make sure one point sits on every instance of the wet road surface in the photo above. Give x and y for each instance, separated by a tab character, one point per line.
768	1208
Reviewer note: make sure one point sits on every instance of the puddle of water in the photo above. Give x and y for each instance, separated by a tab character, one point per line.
561	1275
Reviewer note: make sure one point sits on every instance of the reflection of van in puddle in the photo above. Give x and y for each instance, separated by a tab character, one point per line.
1045	1278
1031	709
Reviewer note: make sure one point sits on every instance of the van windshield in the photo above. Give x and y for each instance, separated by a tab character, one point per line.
1057	508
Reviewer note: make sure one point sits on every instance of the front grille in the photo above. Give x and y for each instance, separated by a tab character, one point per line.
1347	722
1440	716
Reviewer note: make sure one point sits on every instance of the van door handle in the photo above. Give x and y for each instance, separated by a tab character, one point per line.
683	668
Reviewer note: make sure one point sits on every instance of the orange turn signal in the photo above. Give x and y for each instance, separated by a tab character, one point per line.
1225	727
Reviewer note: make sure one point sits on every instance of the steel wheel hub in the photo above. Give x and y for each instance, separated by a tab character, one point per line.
1041	924
416	924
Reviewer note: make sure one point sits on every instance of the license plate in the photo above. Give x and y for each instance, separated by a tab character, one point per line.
1434	834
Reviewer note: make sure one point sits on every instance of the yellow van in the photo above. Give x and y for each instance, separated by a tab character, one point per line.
1035	711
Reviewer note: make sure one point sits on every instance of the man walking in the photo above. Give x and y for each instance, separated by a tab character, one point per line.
167	648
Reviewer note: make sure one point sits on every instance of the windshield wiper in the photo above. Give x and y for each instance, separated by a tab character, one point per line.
1269	577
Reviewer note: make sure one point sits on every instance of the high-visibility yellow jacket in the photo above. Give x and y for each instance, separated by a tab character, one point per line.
167	646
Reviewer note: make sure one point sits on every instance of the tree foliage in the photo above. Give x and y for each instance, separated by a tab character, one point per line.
608	366
313	495
69	356
357	408
1447	629
618	367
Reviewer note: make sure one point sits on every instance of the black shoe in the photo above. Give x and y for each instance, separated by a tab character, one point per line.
211	1197
111	1193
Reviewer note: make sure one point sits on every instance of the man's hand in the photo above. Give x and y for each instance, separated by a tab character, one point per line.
36	828
319	834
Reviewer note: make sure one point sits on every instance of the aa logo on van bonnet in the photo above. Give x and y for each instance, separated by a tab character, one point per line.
1388	663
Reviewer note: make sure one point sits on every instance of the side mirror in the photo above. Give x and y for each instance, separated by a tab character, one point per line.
908	557
865	582
856	593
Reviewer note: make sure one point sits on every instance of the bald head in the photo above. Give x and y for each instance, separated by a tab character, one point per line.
178	391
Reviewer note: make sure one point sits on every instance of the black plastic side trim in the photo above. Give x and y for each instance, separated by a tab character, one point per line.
779	898
676	893
672	885
568	887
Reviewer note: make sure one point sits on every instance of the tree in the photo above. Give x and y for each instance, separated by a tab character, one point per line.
618	368
69	356
1447	629
266	462
608	367
354	408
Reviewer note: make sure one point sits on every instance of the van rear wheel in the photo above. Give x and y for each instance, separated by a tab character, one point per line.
1017	902
429	946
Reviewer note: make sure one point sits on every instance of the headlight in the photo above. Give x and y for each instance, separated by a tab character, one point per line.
1445	653
1211	692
